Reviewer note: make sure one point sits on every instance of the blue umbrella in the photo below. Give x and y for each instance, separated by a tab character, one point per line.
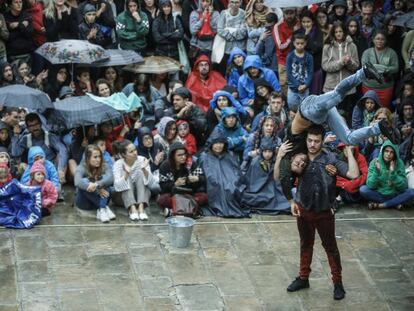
20	95
120	101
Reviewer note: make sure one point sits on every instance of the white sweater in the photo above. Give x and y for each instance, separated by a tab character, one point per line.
121	183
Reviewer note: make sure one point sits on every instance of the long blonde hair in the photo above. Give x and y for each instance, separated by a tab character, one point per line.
50	9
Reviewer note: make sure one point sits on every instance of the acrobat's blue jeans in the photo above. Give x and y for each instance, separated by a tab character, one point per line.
322	108
388	201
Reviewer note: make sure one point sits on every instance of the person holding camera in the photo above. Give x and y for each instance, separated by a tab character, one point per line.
385	61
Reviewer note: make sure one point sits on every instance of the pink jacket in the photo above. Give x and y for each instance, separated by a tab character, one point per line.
49	192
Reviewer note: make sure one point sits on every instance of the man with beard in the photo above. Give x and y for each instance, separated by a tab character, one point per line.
313	207
203	82
54	149
7	76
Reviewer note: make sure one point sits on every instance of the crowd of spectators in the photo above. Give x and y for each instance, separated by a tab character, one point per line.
213	134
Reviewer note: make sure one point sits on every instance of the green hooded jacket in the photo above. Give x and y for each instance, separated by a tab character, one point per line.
132	35
387	182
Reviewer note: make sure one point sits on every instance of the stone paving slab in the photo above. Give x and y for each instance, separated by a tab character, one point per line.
230	265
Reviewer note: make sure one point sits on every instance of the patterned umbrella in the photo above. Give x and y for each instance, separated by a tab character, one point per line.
81	111
155	64
72	52
119	58
23	96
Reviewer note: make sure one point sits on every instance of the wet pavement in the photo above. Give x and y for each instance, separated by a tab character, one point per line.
73	262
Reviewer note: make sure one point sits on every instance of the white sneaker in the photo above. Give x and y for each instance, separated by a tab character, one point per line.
101	215
110	213
143	216
134	216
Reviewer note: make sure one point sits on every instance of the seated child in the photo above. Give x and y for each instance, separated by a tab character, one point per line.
37	153
187	139
49	191
5	175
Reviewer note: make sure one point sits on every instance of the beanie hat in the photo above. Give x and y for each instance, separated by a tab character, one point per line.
89	8
38	167
162	3
64	91
3	150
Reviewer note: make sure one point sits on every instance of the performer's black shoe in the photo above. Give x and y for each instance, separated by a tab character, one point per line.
388	131
298	284
372	73
339	291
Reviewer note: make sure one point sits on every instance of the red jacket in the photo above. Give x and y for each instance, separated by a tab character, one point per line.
282	36
353	185
36	11
115	134
202	90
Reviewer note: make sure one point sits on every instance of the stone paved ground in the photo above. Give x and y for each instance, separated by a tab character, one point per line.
244	265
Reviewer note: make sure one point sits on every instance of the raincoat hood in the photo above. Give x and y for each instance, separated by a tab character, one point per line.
388	143
143	131
267	143
88	8
34	152
162	126
369	94
235	51
233	101
201	58
217	137
252	61
227	112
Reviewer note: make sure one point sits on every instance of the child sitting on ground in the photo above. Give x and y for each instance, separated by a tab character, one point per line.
188	140
49	191
5	175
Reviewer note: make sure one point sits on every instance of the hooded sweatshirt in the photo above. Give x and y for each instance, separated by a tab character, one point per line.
49	191
202	90
50	170
234	72
385	181
246	84
360	116
149	153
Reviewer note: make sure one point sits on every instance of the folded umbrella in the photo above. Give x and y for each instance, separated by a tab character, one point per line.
156	65
20	95
81	111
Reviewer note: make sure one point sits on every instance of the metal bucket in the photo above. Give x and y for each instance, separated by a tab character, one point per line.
180	229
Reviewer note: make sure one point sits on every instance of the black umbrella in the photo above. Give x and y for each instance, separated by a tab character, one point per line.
405	20
20	95
81	111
